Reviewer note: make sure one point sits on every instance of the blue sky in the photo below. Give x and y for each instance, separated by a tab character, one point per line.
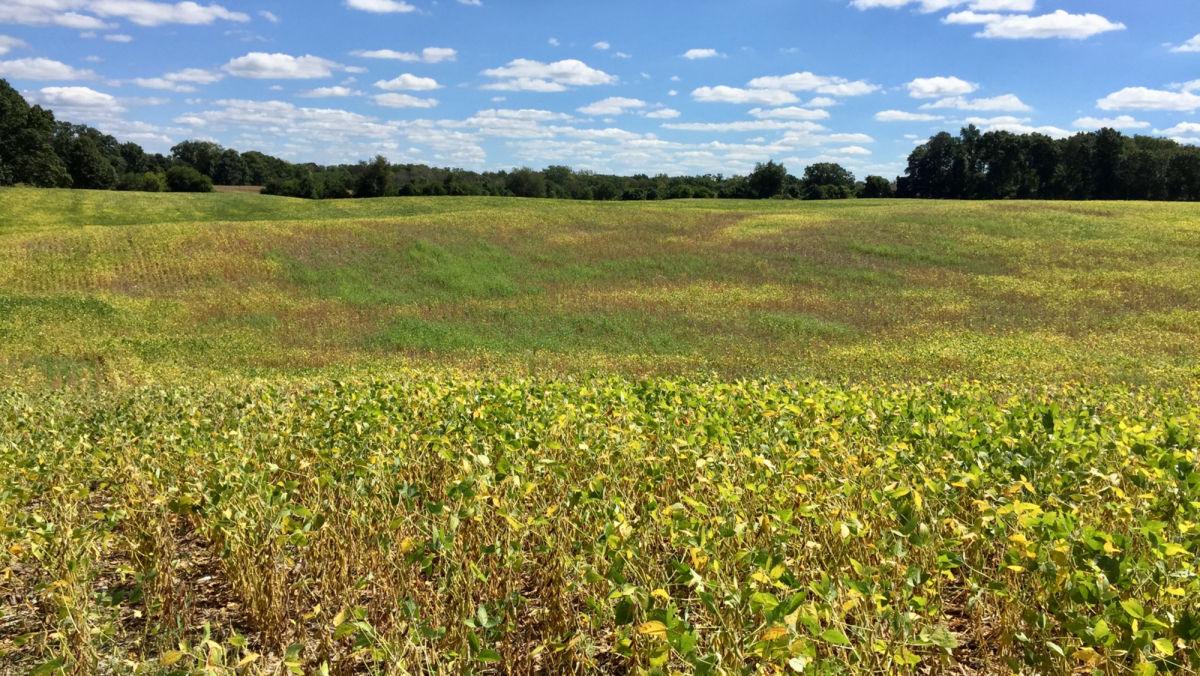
615	86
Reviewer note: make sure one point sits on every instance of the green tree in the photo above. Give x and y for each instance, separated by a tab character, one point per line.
766	180
187	179
89	168
525	182
875	187
375	180
827	180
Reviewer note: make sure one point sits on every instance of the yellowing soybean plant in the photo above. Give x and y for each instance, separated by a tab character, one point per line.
253	435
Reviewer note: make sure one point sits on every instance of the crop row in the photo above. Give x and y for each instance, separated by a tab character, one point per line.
427	523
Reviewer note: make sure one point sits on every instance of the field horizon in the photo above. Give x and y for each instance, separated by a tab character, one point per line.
113	283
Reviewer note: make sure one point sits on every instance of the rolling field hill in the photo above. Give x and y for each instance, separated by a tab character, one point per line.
109	286
253	435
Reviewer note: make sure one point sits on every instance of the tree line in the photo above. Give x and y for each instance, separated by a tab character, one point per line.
38	150
1105	165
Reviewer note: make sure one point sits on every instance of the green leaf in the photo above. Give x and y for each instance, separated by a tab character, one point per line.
1134	609
1164	646
835	637
489	655
763	602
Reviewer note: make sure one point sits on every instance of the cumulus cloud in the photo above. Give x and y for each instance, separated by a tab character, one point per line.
42	69
7	44
381	6
1119	122
408	82
1192	45
663	114
1016	125
119	37
939	87
694	54
263	66
530	75
404	101
1004	103
1059	24
146	13
614	105
746	125
902	116
762	97
602	45
83	100
1183	128
329	92
89	14
790	113
1143	98
427	55
821	84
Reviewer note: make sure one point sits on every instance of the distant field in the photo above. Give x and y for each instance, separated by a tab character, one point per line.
253	435
246	189
114	285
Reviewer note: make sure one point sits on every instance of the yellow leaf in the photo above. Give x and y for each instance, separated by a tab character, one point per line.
170	658
1088	656
406	545
661	594
773	632
1018	539
1110	548
246	661
654	628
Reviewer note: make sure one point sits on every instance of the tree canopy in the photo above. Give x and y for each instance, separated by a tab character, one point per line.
37	150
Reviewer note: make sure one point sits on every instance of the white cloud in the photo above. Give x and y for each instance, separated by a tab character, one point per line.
427	55
1059	24
329	92
118	37
852	150
530	75
269	16
822	84
1192	45
42	69
790	113
408	82
763	97
404	101
939	87
902	116
1005	103
49	13
381	6
602	45
77	100
262	66
7	44
69	13
1142	98
746	125
146	13
615	105
663	114
472	3
553	42
929	6
694	54
1182	128
1120	122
